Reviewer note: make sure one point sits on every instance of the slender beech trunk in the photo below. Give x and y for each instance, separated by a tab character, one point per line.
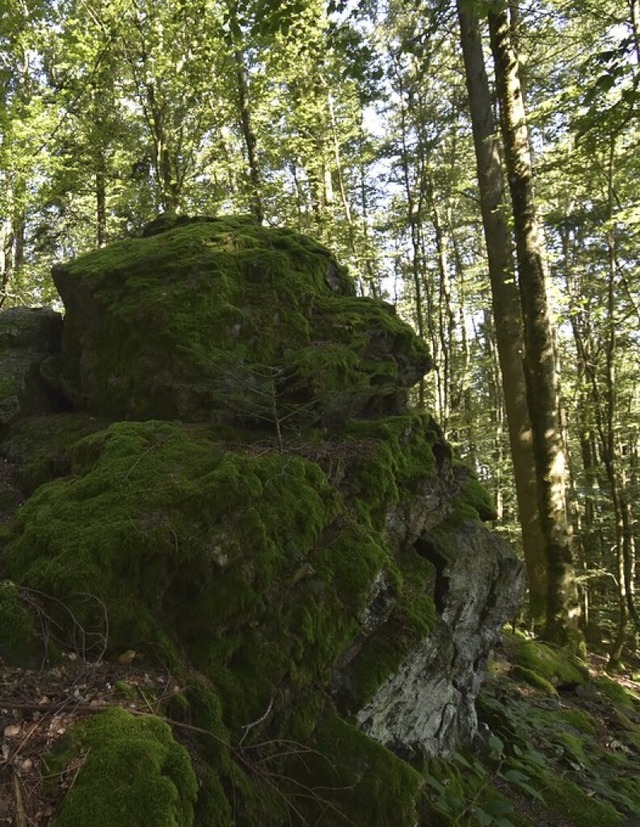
101	202
246	118
625	550
12	244
562	606
414	210
506	305
155	117
6	257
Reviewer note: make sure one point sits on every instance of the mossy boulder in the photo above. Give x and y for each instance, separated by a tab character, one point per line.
222	320
243	497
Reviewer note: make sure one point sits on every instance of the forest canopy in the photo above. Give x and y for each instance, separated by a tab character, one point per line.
354	122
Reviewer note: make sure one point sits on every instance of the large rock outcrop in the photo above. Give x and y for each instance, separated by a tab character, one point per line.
242	494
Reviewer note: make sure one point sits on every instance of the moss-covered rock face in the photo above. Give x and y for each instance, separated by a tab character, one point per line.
27	337
19	642
222	320
242	497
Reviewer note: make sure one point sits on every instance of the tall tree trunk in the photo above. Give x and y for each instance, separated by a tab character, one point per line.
246	119
506	305
101	202
625	550
562	606
6	257
414	210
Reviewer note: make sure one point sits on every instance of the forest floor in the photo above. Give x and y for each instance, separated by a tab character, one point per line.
566	757
577	746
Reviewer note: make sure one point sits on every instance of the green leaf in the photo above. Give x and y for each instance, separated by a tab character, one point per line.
460	759
496	745
435	784
499	807
515	776
527	788
483	818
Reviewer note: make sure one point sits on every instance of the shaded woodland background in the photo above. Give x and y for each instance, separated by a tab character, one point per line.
351	122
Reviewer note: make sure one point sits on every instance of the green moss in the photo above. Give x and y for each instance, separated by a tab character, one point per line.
132	772
572	745
579	720
390	455
411	617
158	516
475	496
520	673
183	529
40	445
347	777
624	720
262	327
615	691
125	691
19	643
222	297
212	806
550	663
568	800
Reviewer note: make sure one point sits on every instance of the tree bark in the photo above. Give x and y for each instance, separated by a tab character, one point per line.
506	305
562	606
246	119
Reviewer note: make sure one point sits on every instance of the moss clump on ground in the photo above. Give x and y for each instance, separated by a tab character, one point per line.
547	662
520	673
568	800
579	719
615	692
132	772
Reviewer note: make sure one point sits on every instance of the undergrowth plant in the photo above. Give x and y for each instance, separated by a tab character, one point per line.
466	790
